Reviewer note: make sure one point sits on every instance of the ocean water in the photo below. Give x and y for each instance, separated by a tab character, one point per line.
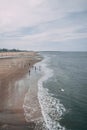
62	90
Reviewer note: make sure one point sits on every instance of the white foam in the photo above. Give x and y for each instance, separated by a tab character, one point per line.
62	90
52	109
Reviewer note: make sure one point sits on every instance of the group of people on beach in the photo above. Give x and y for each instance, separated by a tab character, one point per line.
35	68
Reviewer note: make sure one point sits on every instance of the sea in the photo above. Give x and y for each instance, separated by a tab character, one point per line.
62	90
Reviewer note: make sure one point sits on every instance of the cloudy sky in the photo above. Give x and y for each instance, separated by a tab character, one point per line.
44	24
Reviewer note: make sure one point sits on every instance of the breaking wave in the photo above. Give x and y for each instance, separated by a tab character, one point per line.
51	108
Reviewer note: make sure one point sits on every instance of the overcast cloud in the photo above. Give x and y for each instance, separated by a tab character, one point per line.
44	24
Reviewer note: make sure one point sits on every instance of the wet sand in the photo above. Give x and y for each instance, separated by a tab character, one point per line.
14	87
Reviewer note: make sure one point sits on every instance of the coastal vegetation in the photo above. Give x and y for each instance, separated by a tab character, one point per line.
11	50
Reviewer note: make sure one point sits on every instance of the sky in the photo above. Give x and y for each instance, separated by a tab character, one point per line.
40	25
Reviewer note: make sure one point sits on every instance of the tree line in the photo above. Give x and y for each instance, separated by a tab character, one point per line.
11	50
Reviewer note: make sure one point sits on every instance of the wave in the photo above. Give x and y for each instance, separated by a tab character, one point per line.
51	108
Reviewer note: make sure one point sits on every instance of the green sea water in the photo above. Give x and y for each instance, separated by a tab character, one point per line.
68	84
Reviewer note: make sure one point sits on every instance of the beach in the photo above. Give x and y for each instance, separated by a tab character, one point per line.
17	90
43	93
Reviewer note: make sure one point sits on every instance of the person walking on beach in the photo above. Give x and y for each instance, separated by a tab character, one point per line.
29	72
35	68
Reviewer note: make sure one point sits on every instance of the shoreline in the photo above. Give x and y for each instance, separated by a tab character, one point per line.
12	92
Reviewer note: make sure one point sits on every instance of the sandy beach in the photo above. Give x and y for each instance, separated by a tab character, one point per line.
15	85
